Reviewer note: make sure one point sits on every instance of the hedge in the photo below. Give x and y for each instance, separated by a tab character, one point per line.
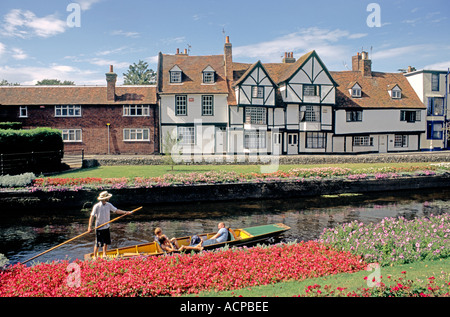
35	150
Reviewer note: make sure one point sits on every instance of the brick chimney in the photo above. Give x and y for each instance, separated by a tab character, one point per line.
362	63
288	57
228	56
111	79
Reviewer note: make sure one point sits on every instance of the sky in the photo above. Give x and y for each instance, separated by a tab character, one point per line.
78	40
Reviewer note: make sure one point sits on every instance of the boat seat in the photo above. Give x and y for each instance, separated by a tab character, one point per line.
231	235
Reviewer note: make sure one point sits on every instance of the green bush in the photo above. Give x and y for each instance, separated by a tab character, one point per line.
21	180
34	140
11	125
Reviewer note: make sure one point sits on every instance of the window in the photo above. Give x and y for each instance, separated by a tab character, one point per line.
255	115
354	116
23	112
136	110
310	114
257	92
434	82
401	141
356	92
207	105
316	140
136	134
186	135
410	115
396	94
435	130
311	90
208	77
71	135
362	141
435	106
181	105
68	111
255	139
175	77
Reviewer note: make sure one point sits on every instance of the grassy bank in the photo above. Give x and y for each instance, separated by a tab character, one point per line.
418	272
131	171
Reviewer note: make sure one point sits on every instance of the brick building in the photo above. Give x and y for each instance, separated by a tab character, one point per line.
109	119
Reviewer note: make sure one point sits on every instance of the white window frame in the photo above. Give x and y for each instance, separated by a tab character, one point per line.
311	90
401	140
362	140
68	111
207	105
209	77
186	135
23	112
311	113
356	92
396	94
353	115
316	140
257	92
72	135
255	115
181	105
136	110
136	134
175	77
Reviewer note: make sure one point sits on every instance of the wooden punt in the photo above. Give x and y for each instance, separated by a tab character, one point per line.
236	237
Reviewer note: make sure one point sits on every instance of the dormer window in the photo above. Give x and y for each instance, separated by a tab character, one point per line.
395	92
355	91
175	74
209	75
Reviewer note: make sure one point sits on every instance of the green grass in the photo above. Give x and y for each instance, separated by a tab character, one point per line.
131	171
418	272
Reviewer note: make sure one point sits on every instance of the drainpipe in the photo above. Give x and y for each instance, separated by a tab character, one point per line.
108	124
446	109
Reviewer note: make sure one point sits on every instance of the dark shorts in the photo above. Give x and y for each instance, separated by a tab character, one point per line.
102	237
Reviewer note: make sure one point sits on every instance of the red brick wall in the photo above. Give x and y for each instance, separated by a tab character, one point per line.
93	122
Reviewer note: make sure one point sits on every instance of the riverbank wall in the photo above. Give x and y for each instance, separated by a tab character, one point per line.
179	194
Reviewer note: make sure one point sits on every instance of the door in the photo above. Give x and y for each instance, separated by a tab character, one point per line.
277	142
382	143
220	140
292	147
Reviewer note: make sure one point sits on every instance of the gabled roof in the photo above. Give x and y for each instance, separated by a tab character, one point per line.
192	67
374	91
75	95
250	70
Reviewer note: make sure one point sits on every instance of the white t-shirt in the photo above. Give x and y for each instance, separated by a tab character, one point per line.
102	213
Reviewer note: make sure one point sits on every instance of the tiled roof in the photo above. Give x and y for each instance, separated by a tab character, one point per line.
192	68
79	95
374	91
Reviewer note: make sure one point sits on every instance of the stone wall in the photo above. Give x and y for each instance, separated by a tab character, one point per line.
15	200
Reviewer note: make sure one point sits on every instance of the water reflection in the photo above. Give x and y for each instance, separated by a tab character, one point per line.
25	235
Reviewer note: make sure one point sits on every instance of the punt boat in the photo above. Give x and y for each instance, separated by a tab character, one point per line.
236	237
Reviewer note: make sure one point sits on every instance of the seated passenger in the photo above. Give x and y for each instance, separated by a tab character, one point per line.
220	236
166	245
159	234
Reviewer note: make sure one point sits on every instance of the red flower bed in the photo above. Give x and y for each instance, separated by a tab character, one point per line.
179	274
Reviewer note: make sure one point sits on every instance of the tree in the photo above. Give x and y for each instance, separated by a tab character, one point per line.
4	82
139	74
54	82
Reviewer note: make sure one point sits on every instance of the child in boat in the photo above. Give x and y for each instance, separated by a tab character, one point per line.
166	245
159	234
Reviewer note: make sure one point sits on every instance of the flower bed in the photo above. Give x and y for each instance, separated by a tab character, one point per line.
219	177
181	274
393	240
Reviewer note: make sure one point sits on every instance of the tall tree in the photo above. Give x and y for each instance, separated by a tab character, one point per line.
4	82
54	82
139	74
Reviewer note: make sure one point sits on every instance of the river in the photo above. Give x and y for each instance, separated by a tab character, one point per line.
24	235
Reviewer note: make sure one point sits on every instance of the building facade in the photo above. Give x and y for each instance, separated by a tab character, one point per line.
432	87
99	120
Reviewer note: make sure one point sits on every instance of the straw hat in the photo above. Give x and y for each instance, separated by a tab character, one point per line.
104	195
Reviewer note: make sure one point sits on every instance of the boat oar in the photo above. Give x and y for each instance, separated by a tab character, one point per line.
81	235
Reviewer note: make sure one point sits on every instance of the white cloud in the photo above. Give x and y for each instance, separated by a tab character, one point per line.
18	54
24	24
126	34
438	66
321	40
2	49
31	75
399	51
106	62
